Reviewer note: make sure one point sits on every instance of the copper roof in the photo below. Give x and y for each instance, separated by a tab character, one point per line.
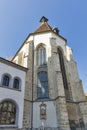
44	27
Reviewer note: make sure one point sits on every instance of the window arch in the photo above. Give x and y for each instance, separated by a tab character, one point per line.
42	89
7	113
6	80
16	83
62	66
41	55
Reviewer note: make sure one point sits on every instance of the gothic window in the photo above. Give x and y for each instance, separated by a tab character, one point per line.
6	80
42	89
7	113
62	69
72	124
16	83
62	66
41	56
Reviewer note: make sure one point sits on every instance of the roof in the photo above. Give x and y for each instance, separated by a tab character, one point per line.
9	58
36	33
7	62
44	27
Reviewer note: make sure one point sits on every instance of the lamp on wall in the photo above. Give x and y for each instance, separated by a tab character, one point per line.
43	115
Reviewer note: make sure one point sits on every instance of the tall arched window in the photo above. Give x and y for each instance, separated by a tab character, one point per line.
7	113
62	66
16	83
41	56
42	89
6	80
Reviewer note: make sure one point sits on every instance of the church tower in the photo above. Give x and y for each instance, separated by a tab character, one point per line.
53	97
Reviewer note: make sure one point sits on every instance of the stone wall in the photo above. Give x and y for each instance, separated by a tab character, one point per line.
83	111
28	90
75	82
2	128
65	111
62	114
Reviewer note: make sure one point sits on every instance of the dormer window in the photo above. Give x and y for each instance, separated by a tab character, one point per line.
56	30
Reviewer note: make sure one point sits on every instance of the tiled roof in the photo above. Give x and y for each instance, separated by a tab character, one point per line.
44	27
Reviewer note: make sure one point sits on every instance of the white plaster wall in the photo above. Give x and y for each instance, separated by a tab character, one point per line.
25	50
16	59
26	53
51	114
59	40
16	96
45	39
69	53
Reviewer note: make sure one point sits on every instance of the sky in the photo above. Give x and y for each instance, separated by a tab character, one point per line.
18	18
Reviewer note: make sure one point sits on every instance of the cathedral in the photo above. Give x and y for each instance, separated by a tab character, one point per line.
40	88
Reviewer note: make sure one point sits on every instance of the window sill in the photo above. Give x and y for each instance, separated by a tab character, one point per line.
8	126
7	87
44	65
43	99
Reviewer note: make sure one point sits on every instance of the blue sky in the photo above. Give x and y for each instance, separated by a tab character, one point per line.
18	18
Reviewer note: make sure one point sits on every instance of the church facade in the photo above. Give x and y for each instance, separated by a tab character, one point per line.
40	88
